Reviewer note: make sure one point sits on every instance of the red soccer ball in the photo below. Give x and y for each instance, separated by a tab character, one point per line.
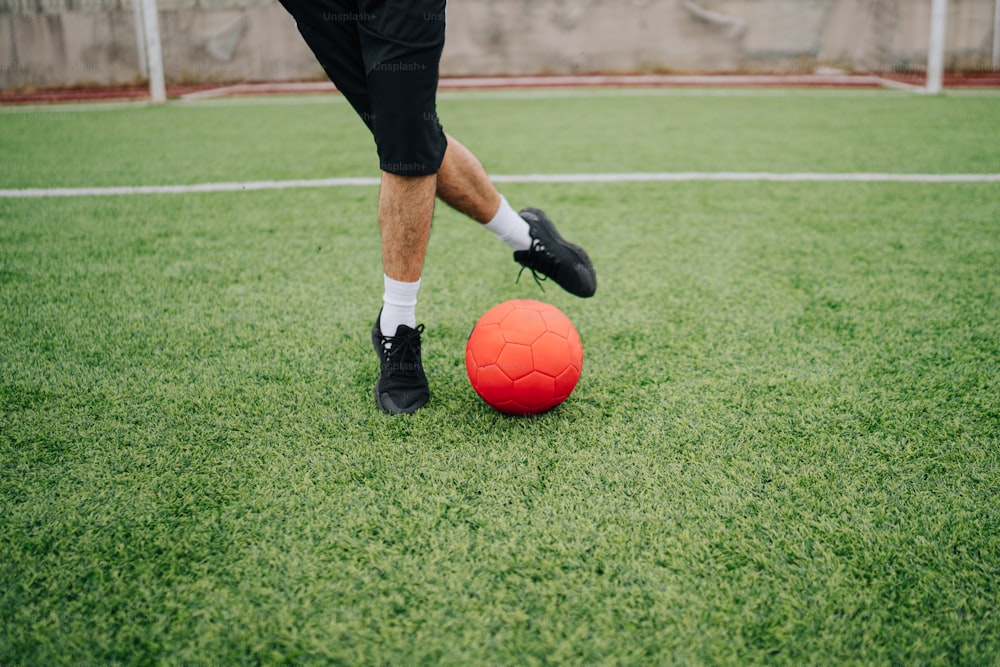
524	357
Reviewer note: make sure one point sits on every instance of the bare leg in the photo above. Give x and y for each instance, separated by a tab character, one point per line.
462	183
405	210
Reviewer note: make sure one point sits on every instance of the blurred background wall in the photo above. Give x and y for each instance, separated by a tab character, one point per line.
91	42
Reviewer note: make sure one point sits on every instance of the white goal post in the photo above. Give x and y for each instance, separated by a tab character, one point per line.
150	51
935	49
996	35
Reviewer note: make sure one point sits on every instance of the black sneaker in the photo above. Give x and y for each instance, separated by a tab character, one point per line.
551	256
402	387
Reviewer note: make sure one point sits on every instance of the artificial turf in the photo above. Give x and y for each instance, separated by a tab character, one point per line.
784	446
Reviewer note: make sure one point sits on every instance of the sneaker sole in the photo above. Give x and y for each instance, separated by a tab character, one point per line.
385	404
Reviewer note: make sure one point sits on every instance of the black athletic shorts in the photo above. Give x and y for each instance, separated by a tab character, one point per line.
383	56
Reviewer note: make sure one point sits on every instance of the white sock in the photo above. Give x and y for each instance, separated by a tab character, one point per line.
510	227
399	305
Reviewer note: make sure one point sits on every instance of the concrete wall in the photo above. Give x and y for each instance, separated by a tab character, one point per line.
80	42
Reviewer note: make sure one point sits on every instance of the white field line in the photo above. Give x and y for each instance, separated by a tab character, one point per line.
678	176
635	177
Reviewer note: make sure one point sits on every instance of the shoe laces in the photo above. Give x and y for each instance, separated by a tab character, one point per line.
402	354
540	262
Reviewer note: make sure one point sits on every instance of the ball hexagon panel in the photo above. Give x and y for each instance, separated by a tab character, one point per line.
487	345
558	323
536	392
491	383
551	354
566	381
522	325
515	360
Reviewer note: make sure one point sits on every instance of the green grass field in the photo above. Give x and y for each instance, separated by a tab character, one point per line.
784	448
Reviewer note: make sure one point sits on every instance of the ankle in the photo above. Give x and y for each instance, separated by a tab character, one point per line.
399	305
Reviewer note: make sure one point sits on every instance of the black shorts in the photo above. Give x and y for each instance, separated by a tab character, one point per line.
383	56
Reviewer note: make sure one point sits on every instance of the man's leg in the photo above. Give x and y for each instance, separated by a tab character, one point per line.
463	184
411	146
405	209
